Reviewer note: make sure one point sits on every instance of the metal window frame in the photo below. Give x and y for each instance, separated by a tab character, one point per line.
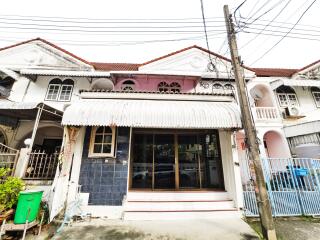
315	99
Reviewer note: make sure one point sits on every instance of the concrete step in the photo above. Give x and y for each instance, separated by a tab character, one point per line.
167	205
223	214
178	196
157	206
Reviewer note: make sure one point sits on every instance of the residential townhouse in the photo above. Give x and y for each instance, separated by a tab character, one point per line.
156	140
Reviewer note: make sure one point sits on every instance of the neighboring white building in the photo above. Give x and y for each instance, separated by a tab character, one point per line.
295	93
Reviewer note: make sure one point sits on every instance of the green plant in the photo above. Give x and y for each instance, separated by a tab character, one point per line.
9	189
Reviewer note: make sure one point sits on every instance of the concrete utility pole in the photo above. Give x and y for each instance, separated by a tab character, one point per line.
264	207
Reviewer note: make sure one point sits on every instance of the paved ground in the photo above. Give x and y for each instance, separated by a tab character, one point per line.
295	228
158	230
287	229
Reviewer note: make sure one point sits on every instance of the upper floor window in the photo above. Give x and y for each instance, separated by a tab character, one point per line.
228	86
175	87
5	86
102	142
60	90
165	87
286	96
128	86
217	86
316	95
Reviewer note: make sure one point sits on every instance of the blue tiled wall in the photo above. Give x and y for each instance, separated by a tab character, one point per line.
106	181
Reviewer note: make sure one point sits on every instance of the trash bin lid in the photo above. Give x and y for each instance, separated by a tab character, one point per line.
31	191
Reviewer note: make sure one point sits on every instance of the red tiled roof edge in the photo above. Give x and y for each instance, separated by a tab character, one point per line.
309	65
274	72
188	48
49	43
115	66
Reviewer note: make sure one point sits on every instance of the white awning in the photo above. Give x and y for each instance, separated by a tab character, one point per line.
295	82
153	114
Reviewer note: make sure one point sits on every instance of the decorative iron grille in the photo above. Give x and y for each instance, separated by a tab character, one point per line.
41	165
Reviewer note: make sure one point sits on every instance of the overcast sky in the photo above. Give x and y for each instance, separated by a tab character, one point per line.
106	31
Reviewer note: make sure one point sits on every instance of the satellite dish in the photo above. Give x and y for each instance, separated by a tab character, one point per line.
102	83
256	93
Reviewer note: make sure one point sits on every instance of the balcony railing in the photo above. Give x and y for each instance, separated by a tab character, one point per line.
267	113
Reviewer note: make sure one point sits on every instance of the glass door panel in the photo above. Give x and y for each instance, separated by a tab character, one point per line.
164	161
211	165
189	156
142	164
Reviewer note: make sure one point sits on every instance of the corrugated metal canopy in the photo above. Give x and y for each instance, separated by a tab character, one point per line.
65	73
28	110
295	82
153	114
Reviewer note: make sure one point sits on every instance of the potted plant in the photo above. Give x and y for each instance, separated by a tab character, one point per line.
9	192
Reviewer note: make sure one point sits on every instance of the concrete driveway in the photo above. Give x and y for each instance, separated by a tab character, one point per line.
208	229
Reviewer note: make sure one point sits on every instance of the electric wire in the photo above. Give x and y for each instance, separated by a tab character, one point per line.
277	31
254	6
238	9
260	16
120	43
280	35
283	24
213	65
284	36
264	28
102	19
103	27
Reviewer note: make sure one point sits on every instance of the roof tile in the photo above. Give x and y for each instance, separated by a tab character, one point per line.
115	66
274	72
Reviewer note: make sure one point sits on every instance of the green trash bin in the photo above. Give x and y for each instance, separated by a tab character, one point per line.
28	206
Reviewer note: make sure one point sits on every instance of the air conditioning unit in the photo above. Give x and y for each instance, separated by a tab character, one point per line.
293	111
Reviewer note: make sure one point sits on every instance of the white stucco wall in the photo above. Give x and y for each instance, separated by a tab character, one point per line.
35	91
231	169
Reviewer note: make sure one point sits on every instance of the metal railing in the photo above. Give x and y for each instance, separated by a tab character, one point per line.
267	113
41	165
8	157
293	186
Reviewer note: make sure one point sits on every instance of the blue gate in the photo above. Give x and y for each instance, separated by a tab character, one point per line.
293	186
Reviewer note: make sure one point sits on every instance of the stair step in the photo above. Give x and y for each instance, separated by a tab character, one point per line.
175	215
178	205
172	201
177	196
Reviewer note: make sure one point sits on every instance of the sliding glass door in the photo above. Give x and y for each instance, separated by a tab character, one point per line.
189	161
173	161
164	161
